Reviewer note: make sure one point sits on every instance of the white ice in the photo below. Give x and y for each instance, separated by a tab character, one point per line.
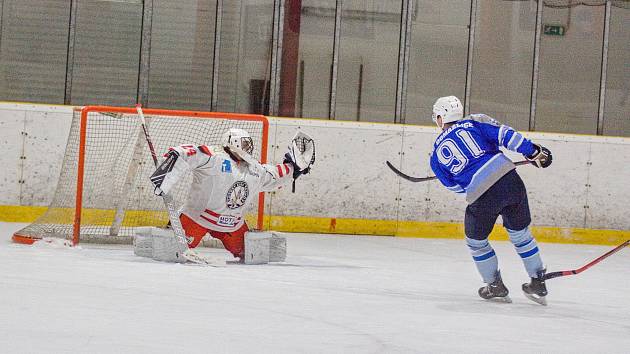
334	294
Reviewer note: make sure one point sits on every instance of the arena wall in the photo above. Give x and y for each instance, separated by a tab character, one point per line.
581	198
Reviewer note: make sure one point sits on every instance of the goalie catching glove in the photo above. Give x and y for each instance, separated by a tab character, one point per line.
301	154
296	170
541	157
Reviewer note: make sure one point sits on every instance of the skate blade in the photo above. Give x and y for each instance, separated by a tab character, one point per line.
537	299
502	300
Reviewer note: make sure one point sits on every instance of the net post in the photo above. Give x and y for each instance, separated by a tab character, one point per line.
80	170
263	159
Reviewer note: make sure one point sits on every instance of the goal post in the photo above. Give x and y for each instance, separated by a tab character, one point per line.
104	191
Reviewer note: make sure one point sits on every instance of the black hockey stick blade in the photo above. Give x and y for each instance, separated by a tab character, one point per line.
563	273
407	177
429	178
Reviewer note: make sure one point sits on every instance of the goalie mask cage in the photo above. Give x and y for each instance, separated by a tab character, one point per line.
104	191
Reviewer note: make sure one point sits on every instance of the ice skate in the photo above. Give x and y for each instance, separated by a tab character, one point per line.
536	290
495	291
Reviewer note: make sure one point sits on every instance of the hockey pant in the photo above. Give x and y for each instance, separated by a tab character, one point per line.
233	241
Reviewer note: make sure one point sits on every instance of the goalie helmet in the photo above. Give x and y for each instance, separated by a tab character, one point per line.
238	141
449	108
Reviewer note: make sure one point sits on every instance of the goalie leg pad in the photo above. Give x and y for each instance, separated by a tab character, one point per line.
257	247
264	247
168	248
143	242
160	245
277	248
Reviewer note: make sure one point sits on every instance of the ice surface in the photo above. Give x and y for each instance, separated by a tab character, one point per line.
334	294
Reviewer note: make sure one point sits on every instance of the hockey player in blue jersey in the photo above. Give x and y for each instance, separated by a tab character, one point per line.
466	159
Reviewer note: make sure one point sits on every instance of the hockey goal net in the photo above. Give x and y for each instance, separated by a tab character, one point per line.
104	191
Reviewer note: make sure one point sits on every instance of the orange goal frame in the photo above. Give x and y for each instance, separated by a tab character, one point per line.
149	111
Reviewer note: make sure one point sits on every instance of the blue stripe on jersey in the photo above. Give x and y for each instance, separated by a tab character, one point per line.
502	131
515	141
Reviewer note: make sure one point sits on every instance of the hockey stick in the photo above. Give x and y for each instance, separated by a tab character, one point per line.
563	273
173	216
429	178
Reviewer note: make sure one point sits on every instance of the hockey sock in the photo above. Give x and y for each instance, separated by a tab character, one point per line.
527	248
484	257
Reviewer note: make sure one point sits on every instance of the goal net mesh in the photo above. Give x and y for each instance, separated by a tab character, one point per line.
117	194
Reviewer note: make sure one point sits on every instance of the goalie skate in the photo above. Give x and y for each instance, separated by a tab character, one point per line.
194	257
162	245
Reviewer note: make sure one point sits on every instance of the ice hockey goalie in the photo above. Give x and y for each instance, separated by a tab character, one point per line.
226	179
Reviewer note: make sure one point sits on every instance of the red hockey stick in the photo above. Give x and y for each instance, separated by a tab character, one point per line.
562	273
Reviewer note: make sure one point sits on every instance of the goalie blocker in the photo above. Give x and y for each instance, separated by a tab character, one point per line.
161	245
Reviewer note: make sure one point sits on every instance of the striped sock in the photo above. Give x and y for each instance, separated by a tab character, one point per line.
484	257
527	248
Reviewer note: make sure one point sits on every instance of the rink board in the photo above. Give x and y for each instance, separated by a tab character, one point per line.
582	197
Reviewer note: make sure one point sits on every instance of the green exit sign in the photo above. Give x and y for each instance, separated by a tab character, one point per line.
553	30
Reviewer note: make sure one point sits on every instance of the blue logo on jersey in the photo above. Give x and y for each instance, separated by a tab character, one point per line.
226	166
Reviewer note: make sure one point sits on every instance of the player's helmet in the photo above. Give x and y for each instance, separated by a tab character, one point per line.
238	140
449	108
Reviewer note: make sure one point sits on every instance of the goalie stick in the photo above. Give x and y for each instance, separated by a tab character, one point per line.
429	178
173	216
563	273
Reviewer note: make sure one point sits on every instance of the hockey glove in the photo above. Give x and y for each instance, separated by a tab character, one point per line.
158	178
302	150
296	170
541	157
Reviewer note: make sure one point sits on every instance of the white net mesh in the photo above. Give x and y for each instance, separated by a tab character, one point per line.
117	193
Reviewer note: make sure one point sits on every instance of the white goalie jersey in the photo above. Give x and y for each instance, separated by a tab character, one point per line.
221	188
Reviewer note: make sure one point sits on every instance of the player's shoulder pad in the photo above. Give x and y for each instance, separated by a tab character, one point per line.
483	118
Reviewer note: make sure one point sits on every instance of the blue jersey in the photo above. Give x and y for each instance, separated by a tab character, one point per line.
466	157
